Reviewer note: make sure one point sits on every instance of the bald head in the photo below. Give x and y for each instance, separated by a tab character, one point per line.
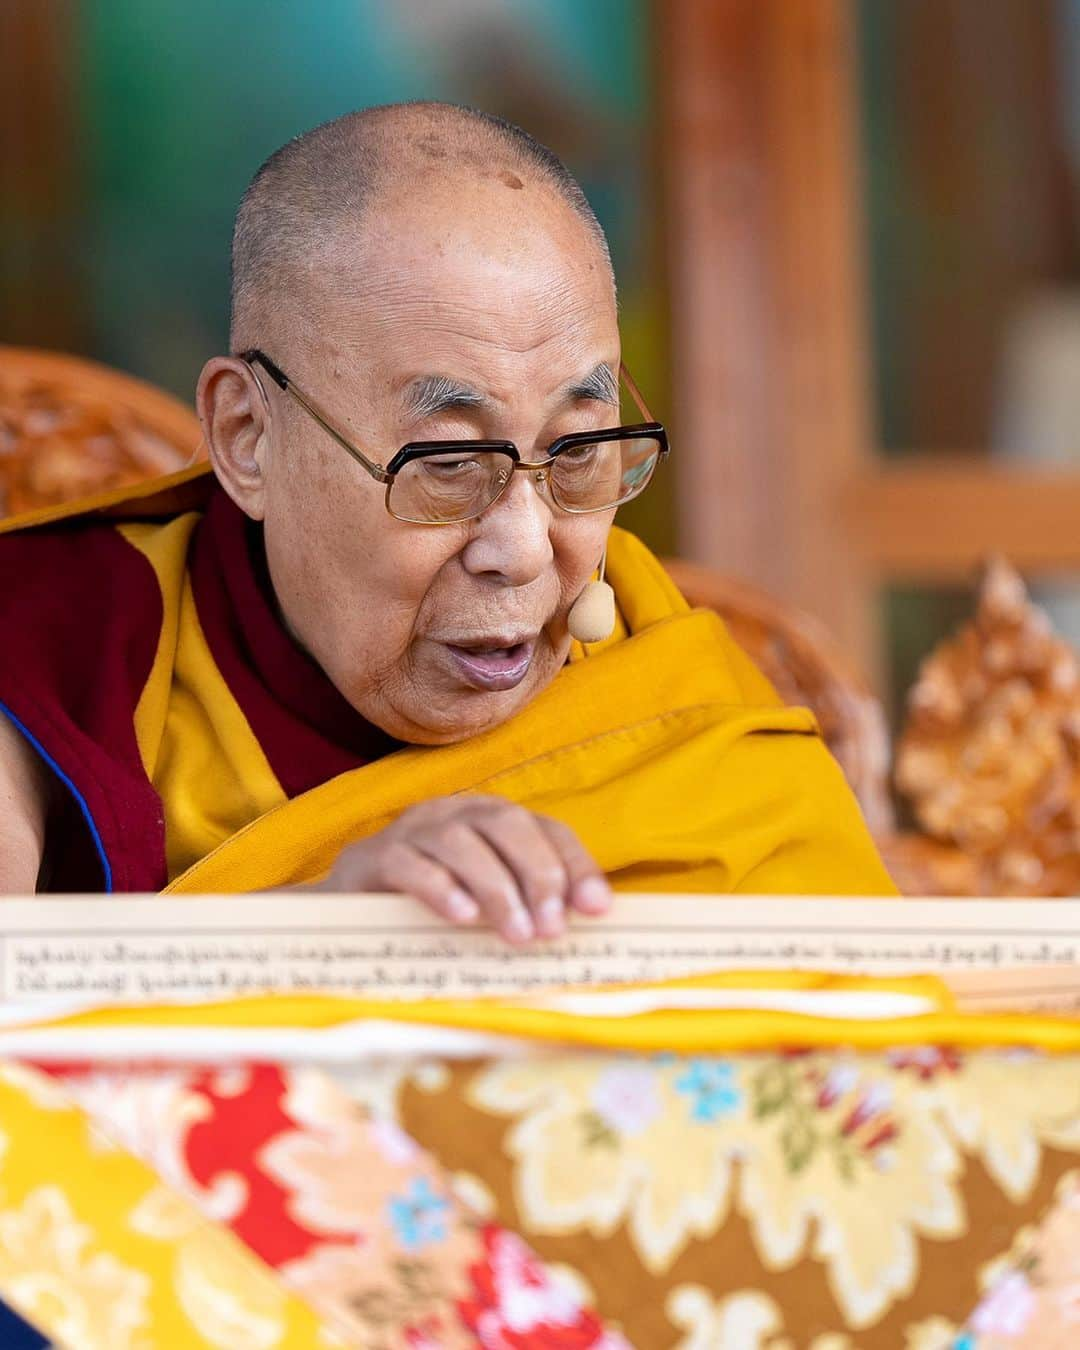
312	206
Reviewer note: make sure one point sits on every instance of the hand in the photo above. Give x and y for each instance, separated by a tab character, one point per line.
474	857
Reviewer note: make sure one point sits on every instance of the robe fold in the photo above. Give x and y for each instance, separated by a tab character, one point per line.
199	749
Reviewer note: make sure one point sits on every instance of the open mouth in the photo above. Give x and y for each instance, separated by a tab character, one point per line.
485	665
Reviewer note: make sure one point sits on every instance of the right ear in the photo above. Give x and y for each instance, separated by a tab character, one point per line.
235	419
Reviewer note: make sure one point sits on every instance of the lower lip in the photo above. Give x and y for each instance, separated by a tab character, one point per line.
490	671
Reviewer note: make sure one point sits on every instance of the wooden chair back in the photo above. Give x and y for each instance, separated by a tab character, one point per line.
800	659
70	428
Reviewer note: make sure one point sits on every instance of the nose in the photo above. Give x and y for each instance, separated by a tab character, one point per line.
511	541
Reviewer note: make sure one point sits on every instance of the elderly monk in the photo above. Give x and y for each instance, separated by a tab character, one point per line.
345	659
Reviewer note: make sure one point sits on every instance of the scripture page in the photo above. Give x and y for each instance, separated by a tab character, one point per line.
994	953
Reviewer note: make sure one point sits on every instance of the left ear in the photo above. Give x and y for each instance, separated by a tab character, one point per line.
235	420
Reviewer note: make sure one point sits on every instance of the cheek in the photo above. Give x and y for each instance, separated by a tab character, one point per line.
396	592
578	543
350	580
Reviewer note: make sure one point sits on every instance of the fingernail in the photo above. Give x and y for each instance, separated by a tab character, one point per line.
592	895
518	927
463	908
549	917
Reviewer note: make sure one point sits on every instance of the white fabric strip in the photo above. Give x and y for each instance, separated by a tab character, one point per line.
863	1004
211	1045
378	1037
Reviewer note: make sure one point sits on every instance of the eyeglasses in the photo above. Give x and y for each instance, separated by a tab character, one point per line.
444	482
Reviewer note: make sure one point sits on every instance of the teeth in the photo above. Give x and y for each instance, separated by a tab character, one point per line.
489	651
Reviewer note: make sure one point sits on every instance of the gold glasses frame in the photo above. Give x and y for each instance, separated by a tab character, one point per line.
648	429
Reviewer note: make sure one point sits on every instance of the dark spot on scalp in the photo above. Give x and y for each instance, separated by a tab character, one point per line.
511	180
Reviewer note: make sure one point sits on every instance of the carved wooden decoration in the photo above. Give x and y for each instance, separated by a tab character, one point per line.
70	428
990	757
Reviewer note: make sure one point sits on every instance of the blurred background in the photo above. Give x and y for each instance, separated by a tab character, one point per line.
847	235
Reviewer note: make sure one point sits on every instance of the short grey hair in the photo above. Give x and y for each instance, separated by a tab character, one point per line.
329	177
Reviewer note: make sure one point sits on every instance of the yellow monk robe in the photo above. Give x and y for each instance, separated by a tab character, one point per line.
203	751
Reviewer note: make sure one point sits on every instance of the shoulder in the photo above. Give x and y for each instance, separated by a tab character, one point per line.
645	592
83	609
699	644
72	580
113	554
82	603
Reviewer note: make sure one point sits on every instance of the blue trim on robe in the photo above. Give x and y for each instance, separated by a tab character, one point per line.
76	794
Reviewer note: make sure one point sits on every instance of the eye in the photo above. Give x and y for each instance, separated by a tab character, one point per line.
448	468
580	454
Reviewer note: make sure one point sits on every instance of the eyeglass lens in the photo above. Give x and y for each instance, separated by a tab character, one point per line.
444	487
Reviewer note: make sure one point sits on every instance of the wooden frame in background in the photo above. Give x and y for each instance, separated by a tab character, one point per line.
779	480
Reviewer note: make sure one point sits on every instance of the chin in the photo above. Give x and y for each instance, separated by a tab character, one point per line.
437	711
471	722
464	717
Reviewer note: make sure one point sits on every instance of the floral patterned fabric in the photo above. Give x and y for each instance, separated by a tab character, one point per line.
799	1200
342	1205
922	1199
1033	1293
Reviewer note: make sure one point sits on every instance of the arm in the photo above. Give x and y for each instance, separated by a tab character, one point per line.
24	798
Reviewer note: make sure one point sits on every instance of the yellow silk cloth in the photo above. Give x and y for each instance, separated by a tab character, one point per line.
97	1251
665	1025
664	748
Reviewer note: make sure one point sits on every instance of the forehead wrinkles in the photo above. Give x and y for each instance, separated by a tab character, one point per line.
381	309
485	264
519	316
551	320
469	271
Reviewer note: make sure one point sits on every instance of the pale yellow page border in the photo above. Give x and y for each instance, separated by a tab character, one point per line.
994	953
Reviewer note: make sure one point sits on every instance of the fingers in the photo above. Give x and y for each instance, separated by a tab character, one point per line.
407	869
459	848
525	848
588	889
480	856
400	867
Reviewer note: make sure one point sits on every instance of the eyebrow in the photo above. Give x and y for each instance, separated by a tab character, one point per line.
600	384
430	395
